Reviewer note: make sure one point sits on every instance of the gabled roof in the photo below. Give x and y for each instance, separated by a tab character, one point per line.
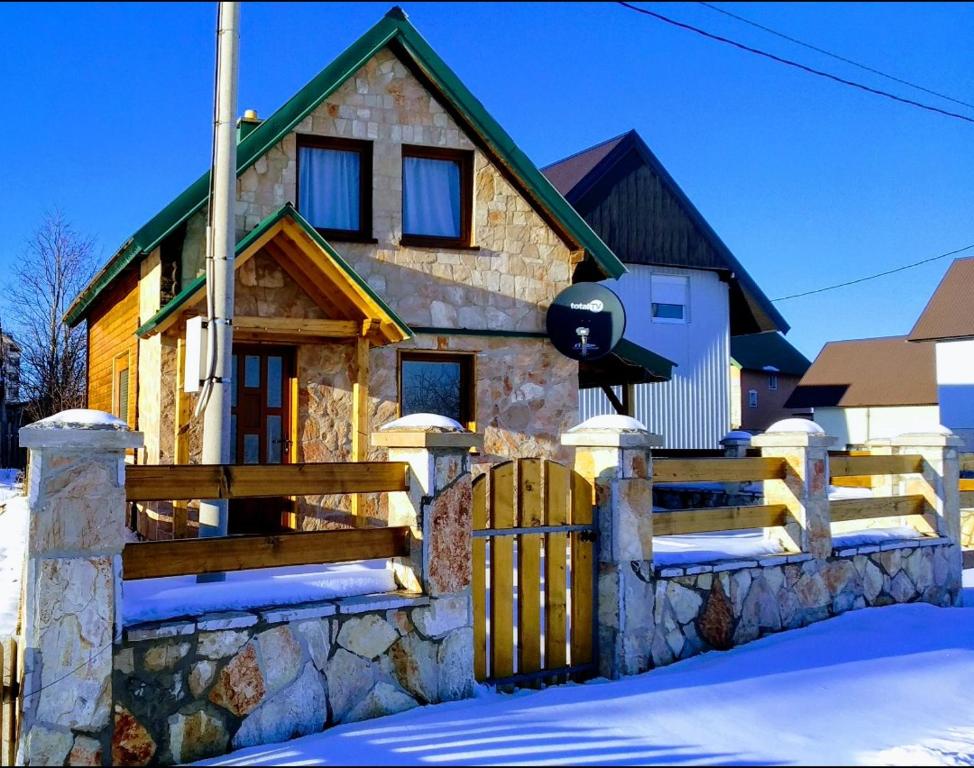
869	372
950	312
294	239
758	351
585	179
394	31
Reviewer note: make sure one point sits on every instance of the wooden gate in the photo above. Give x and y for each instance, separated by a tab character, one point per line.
534	567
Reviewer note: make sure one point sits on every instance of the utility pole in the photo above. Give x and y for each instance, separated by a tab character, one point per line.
222	237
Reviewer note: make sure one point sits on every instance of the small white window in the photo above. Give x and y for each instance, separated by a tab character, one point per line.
773	382
669	298
752	398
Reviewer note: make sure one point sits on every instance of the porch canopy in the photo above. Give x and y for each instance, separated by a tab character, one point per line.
353	309
628	363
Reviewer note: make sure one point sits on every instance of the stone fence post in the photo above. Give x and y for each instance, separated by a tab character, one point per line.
939	482
804	490
76	496
614	454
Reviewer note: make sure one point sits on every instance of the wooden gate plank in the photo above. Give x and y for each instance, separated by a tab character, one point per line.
582	564
479	583
557	497
530	514
502	572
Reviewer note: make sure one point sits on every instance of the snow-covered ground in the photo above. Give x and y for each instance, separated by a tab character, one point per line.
707	547
13	540
891	686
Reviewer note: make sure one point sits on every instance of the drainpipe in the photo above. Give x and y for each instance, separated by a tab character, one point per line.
222	236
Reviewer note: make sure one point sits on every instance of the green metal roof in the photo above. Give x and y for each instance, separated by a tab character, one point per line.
628	363
286	210
394	27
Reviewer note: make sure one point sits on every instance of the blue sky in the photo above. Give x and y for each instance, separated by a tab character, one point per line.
107	109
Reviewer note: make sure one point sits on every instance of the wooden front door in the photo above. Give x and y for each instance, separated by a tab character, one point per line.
260	428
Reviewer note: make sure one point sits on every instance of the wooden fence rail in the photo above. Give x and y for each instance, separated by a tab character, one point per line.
719	519
718	470
851	466
869	508
9	701
155	559
235	481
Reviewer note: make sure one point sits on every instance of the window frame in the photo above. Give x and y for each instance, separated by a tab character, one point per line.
121	363
463	158
752	398
772	382
468	378
685	320
364	149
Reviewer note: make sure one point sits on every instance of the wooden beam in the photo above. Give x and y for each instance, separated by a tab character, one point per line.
719	519
237	553
180	510
307	279
869	508
967	462
251	481
360	408
966	484
296	326
967	499
847	466
718	470
613	400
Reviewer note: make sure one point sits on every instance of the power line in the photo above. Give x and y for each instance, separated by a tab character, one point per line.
795	64
836	56
878	274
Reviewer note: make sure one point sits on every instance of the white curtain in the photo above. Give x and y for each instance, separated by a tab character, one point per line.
329	188
431	197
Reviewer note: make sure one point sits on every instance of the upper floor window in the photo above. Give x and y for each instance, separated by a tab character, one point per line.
335	186
772	382
669	298
752	398
437	196
432	382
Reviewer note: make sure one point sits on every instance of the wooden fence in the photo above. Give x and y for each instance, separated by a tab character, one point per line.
866	466
182	482
9	704
707	519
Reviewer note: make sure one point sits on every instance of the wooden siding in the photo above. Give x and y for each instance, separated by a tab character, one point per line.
111	337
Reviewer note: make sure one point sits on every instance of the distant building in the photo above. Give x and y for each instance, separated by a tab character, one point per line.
948	320
870	388
765	369
9	369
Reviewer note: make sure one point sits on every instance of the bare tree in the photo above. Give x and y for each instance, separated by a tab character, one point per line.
56	265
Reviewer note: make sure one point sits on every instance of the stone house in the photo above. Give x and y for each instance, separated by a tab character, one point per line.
396	253
686	294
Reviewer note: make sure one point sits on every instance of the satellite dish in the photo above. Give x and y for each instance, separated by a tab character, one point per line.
586	321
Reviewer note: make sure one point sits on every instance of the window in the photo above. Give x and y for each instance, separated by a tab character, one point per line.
335	186
437	196
120	387
772	382
437	383
669	298
752	398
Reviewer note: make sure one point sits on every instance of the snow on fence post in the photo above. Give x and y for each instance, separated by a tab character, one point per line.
76	535
804	446
614	454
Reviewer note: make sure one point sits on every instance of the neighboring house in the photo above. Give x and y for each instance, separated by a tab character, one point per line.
870	388
11	409
412	273
765	369
685	293
9	369
948	321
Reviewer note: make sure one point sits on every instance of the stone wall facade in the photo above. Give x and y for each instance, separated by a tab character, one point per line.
719	605
187	690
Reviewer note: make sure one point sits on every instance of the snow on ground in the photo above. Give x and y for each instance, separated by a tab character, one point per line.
878	686
874	536
13	541
157	599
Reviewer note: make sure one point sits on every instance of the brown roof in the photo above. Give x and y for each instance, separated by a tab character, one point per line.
950	312
869	372
565	174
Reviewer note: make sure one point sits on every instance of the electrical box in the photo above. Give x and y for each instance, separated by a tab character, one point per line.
196	345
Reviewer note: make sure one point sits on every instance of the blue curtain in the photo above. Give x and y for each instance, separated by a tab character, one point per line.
329	188
431	197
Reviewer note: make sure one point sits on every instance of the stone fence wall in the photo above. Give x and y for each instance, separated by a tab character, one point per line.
96	692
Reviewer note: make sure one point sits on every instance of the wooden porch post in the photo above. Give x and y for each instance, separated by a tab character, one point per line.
360	409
